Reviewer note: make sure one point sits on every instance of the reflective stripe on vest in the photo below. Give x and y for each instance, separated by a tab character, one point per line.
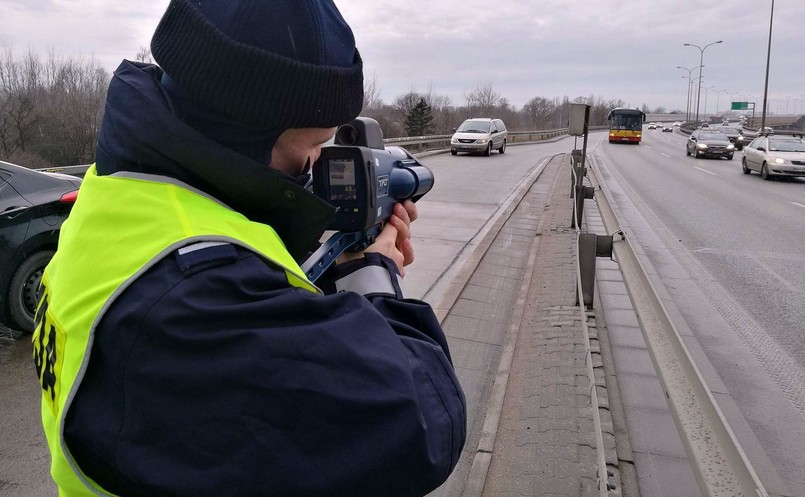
120	226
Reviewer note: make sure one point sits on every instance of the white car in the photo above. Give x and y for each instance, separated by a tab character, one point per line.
775	155
479	135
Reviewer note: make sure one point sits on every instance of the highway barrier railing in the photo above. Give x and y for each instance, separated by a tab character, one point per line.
417	144
435	142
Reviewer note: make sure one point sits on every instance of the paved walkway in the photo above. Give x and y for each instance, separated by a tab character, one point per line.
546	441
532	429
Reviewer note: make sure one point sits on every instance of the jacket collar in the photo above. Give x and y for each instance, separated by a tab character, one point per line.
140	133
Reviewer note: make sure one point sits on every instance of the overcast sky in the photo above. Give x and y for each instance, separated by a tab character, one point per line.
627	49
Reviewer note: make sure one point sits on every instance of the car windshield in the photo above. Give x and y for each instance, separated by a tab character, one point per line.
787	145
713	136
474	127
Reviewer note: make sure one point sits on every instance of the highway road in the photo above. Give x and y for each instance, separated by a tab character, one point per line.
730	250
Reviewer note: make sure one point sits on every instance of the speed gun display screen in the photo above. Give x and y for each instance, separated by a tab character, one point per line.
342	180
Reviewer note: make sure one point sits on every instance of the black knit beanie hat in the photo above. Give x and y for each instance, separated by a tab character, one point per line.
271	64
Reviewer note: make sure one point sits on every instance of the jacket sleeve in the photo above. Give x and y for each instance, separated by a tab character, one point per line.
234	383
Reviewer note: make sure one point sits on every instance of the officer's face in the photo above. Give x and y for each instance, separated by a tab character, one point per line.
295	146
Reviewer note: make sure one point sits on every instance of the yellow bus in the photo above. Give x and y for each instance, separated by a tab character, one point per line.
625	125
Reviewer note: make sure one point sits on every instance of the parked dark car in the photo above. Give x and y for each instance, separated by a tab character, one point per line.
33	205
709	143
735	135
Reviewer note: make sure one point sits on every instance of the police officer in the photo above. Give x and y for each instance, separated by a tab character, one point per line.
180	348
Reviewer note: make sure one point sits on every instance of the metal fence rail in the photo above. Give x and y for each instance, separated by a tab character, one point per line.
443	141
424	143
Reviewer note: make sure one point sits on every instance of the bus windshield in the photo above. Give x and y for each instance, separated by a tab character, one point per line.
632	122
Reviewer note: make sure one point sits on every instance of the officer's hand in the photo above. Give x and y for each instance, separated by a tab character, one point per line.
394	240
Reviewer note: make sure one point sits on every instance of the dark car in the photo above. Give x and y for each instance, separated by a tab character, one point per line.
33	205
709	143
667	129
735	135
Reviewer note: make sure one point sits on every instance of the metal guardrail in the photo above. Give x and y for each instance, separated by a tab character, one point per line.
431	142
443	141
717	460
584	299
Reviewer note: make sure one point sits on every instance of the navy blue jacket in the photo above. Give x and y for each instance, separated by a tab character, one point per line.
210	375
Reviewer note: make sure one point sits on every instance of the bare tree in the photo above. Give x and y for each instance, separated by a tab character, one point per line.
371	94
539	111
18	84
483	99
405	103
443	112
144	55
50	112
73	107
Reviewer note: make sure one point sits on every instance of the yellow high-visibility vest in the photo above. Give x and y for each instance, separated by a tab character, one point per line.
120	226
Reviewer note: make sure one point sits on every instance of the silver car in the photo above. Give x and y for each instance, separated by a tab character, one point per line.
479	135
775	155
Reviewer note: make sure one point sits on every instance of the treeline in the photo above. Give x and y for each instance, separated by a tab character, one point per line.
51	109
426	113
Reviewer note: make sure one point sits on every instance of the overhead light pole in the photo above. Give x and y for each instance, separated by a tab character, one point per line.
718	97
701	64
690	82
706	93
768	58
687	108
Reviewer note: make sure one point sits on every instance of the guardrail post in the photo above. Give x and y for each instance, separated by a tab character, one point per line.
591	246
581	192
579	171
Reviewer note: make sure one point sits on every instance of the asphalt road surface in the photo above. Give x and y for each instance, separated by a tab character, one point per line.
730	250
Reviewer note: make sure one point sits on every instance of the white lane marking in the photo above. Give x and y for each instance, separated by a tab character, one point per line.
705	171
665	155
798	204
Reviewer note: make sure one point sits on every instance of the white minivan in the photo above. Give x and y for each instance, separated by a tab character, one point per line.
479	134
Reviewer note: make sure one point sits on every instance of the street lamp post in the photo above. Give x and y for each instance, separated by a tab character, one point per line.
768	59
718	97
706	92
690	82
687	103
701	64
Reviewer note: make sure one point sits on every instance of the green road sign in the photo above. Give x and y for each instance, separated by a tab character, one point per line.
740	105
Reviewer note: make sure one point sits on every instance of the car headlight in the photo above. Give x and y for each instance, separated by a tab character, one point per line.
779	160
730	146
453	141
701	146
481	140
740	139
